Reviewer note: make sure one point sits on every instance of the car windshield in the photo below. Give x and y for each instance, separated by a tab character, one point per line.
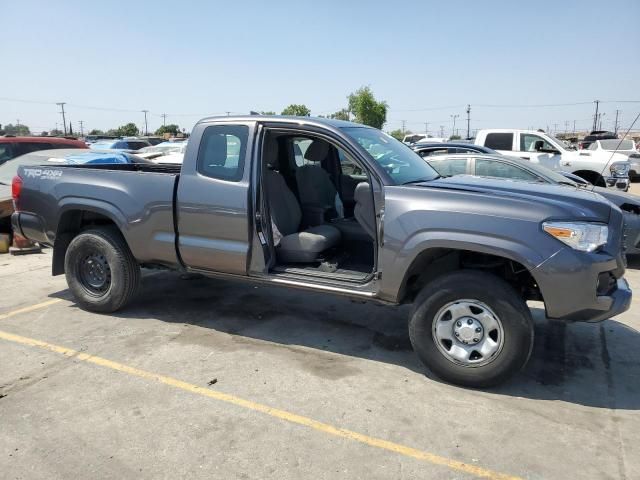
613	144
401	163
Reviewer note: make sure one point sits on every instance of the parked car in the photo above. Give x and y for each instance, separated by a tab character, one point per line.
153	140
501	166
94	138
625	147
414	137
12	147
243	206
428	149
124	144
167	152
595	135
68	156
600	168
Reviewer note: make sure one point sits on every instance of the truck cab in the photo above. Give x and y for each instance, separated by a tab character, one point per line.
604	170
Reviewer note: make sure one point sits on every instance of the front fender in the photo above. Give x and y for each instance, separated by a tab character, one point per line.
395	263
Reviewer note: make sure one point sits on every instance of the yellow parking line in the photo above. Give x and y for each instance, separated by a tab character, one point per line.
258	407
30	308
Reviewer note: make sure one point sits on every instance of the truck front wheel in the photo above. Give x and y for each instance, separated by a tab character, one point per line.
471	328
101	271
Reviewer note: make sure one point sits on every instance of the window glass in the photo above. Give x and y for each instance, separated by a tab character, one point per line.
450	166
6	152
300	145
499	141
534	143
402	164
348	166
136	145
613	144
222	151
497	169
434	151
593	146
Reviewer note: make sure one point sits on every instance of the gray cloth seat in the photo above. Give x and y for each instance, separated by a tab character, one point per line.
295	246
314	184
364	210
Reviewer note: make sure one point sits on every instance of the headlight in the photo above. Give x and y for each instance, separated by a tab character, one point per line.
619	168
582	236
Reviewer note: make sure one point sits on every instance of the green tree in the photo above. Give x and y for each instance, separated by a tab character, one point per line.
44	133
55	132
455	137
398	134
298	110
270	112
367	109
172	128
128	130
95	131
341	115
18	129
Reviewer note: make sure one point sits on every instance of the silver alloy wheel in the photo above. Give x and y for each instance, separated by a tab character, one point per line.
468	333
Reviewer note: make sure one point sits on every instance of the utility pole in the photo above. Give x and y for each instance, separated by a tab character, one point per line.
574	127
404	123
595	117
146	130
228	113
164	119
600	120
555	128
566	126
81	128
468	122
615	128
64	120
426	128
441	131
453	130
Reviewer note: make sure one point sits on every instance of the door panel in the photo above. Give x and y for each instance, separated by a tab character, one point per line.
213	200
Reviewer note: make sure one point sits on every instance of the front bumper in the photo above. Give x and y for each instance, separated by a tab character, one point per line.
571	286
619	183
586	286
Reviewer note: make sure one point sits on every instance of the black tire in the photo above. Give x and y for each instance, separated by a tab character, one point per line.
501	298
107	249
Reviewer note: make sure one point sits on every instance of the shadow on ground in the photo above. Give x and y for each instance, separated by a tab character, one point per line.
595	365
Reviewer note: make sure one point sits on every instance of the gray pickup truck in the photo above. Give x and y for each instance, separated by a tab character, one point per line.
342	208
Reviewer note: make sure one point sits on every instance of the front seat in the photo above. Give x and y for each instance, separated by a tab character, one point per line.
295	246
365	211
315	187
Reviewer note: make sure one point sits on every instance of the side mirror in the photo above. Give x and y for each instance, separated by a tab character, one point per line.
552	151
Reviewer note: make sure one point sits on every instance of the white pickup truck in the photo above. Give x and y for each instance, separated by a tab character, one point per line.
600	168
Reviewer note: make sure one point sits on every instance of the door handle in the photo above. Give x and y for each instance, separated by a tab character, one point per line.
566	164
526	158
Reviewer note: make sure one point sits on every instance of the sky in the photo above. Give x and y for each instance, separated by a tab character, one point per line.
110	60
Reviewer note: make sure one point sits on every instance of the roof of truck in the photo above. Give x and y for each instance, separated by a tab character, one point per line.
284	119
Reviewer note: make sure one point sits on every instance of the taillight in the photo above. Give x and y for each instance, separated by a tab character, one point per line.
16	189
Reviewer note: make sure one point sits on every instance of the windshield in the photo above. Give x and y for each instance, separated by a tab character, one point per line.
613	144
401	163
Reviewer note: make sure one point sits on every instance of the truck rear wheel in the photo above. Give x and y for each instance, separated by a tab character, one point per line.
471	328
101	271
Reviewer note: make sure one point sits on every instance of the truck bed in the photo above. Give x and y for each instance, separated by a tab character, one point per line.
138	198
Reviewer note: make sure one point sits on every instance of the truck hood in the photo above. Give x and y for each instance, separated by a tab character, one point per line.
574	201
595	155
